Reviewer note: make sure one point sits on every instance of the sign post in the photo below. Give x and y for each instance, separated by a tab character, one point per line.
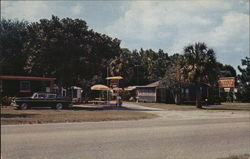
114	84
227	83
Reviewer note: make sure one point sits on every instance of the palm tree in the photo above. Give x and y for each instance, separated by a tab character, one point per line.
198	66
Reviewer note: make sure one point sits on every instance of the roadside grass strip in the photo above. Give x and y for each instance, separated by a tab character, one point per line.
10	115
245	156
222	107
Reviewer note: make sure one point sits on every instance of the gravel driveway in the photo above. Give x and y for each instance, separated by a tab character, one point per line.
188	114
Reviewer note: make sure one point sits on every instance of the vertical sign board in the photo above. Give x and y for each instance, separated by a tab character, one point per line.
226	82
114	83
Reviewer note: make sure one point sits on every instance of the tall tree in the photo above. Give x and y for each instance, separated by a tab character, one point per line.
172	78
198	66
244	81
141	67
226	70
68	50
122	65
12	58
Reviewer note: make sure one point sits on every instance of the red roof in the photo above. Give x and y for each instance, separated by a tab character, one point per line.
27	78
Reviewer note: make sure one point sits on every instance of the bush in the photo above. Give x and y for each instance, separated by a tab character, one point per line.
6	100
214	100
127	95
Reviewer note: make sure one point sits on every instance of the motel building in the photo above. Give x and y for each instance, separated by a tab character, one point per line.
153	92
25	85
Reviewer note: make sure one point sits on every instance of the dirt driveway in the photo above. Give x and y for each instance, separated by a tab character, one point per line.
188	114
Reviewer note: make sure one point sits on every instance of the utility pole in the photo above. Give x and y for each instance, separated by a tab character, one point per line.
107	83
137	75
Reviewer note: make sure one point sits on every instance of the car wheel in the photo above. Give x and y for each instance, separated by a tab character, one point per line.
59	106
24	106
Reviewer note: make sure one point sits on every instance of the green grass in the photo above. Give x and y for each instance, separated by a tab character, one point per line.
223	106
168	106
10	115
230	107
246	156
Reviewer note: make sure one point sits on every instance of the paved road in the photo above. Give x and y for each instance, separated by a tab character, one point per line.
175	135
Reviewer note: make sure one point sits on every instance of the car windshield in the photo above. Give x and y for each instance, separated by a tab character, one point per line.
41	95
51	96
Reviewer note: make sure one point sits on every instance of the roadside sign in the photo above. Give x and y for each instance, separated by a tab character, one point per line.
226	82
227	89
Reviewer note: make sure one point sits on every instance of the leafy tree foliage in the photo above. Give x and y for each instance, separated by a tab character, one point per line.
12	59
198	66
67	50
172	78
244	81
139	68
76	55
226	70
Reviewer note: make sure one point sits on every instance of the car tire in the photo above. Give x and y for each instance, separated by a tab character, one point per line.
59	106
23	106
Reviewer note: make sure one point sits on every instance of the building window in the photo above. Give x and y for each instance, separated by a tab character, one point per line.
24	86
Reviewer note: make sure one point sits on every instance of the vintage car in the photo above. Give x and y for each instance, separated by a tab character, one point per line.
43	100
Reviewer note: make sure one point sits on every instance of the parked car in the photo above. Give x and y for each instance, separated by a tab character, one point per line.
43	100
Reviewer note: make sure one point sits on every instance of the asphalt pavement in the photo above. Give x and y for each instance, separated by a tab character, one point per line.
174	135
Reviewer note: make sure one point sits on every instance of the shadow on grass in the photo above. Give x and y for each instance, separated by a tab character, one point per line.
17	115
245	156
221	108
79	108
103	108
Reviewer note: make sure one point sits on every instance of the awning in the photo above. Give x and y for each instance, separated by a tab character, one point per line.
27	78
100	87
75	87
130	88
114	78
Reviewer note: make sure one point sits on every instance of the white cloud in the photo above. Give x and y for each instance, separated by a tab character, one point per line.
169	25
28	10
144	18
35	10
76	9
172	25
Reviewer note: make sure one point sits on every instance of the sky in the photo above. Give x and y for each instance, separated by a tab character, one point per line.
168	25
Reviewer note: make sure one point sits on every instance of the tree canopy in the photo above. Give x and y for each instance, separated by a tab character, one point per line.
76	55
62	48
12	58
198	66
139	68
244	81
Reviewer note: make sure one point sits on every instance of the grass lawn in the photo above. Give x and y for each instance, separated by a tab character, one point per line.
230	106
10	115
246	156
168	106
223	106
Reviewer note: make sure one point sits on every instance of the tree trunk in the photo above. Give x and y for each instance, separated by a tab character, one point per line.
198	95
177	99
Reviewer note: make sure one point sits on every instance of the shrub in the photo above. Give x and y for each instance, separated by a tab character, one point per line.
214	100
6	100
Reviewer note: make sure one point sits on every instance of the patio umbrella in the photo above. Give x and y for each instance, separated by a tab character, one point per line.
100	87
114	78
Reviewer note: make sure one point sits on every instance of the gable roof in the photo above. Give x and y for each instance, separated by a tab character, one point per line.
151	85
